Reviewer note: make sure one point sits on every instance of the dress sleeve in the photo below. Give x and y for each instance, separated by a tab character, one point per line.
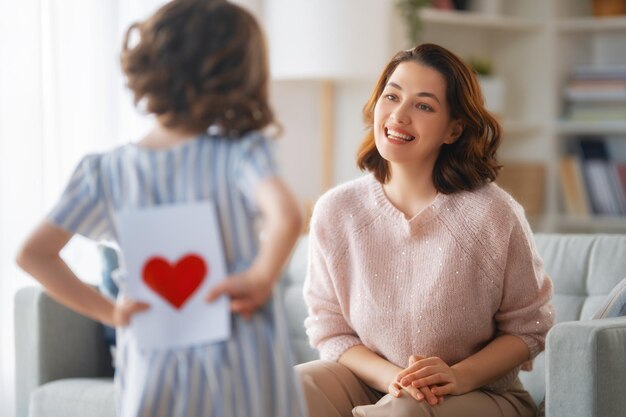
326	325
525	310
256	163
81	209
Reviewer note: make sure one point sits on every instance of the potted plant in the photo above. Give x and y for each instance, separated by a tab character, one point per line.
491	85
410	12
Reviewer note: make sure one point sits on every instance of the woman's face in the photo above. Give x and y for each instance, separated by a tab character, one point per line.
411	117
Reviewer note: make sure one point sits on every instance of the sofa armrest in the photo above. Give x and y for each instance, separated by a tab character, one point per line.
585	369
53	342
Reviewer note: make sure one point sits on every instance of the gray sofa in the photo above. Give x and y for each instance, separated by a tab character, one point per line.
63	367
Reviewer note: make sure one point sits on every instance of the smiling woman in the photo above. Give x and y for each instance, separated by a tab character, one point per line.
427	296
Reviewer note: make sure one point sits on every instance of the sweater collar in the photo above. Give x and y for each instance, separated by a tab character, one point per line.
417	222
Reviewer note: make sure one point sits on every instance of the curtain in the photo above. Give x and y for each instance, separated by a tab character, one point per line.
61	96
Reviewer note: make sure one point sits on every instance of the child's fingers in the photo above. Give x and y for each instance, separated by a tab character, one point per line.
125	309
232	287
138	307
242	305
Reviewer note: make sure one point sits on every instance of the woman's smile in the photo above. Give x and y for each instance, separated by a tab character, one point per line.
394	135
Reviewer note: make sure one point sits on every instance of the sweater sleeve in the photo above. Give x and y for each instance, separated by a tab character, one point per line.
525	310
326	325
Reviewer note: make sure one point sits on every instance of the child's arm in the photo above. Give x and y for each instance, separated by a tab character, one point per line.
282	223
39	257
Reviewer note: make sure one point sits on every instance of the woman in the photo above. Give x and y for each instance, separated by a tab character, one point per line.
425	291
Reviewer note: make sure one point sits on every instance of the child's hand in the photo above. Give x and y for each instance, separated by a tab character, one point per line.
247	292
124	309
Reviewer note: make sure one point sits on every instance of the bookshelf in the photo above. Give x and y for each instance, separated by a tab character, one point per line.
536	46
590	74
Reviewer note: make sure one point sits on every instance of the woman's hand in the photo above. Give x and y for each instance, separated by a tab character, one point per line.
124	309
431	372
247	291
418	393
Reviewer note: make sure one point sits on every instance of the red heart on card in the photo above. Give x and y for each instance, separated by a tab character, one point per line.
175	283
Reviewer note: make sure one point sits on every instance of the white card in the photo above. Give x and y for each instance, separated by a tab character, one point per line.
173	256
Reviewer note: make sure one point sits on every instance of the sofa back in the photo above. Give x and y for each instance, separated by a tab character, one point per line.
583	268
291	286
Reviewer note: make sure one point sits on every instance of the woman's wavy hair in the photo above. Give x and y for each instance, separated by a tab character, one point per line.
471	160
199	63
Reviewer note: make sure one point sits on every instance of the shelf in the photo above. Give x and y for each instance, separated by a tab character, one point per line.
477	20
592	24
591	128
595	224
517	128
536	45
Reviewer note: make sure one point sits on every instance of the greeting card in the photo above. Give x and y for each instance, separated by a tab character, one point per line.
173	256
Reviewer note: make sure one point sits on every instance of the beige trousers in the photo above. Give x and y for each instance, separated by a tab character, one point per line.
332	390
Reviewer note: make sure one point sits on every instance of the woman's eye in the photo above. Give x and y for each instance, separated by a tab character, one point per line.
424	107
390	97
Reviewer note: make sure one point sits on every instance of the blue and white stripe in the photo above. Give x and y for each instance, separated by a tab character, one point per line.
251	374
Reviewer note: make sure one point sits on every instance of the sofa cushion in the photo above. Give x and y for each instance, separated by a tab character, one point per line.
291	286
615	305
76	397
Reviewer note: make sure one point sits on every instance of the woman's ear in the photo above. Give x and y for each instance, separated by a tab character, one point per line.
455	131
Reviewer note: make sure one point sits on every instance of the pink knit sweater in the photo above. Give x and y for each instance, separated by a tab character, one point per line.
444	283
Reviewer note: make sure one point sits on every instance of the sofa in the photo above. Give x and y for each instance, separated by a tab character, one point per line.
64	369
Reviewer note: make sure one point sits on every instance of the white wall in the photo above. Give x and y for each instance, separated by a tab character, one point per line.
352	67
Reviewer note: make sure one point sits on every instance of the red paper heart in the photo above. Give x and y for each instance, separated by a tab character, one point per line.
175	283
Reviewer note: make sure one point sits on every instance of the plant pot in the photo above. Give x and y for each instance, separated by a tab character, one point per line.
486	7
609	7
494	91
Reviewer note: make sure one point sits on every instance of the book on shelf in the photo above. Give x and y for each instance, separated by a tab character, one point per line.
595	94
595	112
606	72
574	190
593	167
616	148
597	84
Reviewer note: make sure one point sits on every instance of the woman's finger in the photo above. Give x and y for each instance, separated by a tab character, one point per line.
429	396
442	390
415	393
395	389
438	379
416	363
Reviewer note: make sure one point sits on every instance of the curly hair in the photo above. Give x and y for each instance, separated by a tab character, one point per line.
465	164
199	63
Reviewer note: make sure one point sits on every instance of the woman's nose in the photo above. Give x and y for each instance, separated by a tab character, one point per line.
400	115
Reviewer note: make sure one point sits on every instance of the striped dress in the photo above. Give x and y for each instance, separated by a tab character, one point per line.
250	374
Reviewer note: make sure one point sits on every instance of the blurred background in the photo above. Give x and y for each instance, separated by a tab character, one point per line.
553	72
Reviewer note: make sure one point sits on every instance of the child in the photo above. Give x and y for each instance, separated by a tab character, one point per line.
200	67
